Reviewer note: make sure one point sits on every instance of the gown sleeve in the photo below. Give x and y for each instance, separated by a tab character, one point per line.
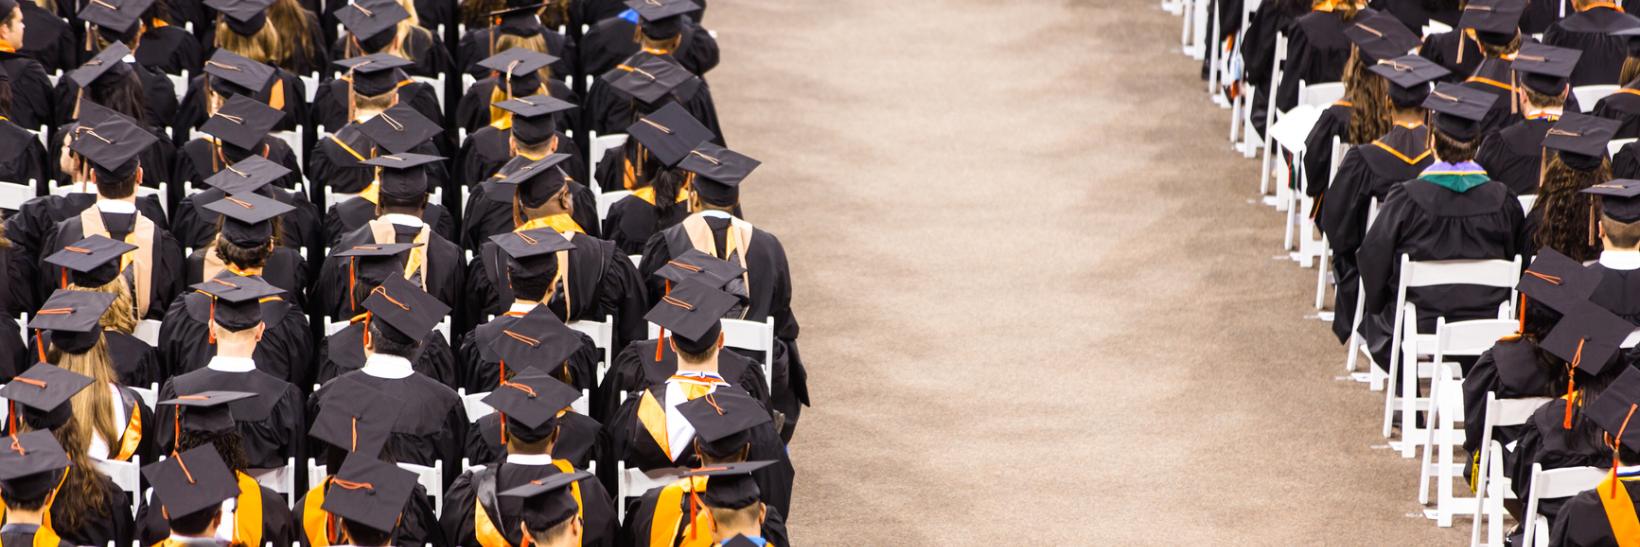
456	522
621	292
1343	207
1377	256
1318	151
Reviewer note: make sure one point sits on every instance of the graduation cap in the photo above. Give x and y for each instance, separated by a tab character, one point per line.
248	175
731	485
93	261
518	21
29	464
1619	199
1494	21
74	318
43	390
112	146
1581	139
111	60
547	501
1379	36
693	312
669	133
719	172
405	308
1545	69
662	19
192	482
206	411
374	74
1615	408
236	300
370	21
533	116
1557	281
1632	34
1588	336
242	122
359	421
248	218
373	262
369	492
723	420
647	77
518	67
531	402
538	340
118	16
1459	110
530	253
400	129
229	73
701	267
532	184
1409	77
403	176
244	17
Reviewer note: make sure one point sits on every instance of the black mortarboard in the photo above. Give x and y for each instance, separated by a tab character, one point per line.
248	175
522	21
1614	409
647	77
244	17
118	16
1581	139
93	261
1495	21
1557	281
73	317
400	128
1409	77
112	147
29	464
111	60
242	122
7	5
662	19
373	74
531	402
191	482
669	133
242	76
533	116
405	308
519	64
1588	336
723	420
731	485
359	420
237	305
207	411
530	252
248	218
693	312
1545	69
537	340
403	176
370	21
1459	110
719	172
375	261
43	390
1380	36
1619	199
369	492
533	184
1633	39
701	267
547	501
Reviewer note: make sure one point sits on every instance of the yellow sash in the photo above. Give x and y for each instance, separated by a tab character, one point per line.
1619	512
663	525
142	235
370	193
561	223
653	418
315	521
382	233
739	235
247	522
500	118
484	528
132	435
647	194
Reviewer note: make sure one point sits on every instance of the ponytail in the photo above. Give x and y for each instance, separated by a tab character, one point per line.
668	184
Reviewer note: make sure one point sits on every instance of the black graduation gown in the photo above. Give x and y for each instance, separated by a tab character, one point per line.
1539	15
29	227
475	47
1316	53
611	41
284	269
432	424
14	354
580	440
285	351
191	111
487	217
486	150
602	282
278	526
1258	49
111	522
353	213
136	363
635	369
271	424
609	111
481	367
598	520
1511	381
1514	156
159	97
157	160
31	97
1494	76
473	109
1618	291
1623	106
640	519
1442	49
330	164
343	352
1334	122
1431	222
632	221
1366	173
167	272
1582	522
419	524
1625	163
199	158
329	107
1545	440
1590	32
427	51
196	228
22	156
22	535
1417	13
48	39
171	50
446	268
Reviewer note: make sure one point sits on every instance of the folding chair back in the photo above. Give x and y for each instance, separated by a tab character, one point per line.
13	195
148	331
1445	404
633	482
127	475
430	478
1490	484
1589	95
1614	145
281	480
474	404
1554	484
316	473
1527	202
1320	95
603	336
148	395
601	144
754	336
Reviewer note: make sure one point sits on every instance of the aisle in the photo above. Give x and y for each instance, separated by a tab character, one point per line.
1035	300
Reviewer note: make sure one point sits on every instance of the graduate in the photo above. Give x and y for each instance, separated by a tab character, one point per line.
645	167
1363	115
158	44
398	130
737	510
713	230
205	420
385	26
49	38
1317	49
24	158
517	26
549	514
377	79
234	135
368	502
1590	31
154	271
247	238
31	98
371	265
1514	156
29	474
430	430
516	72
284	351
532	128
1457	50
1619	288
15	294
1574	159
112	78
642	85
1497	35
190	489
1366	173
666	27
157	158
521	192
275	32
1452	200
531	333
337	160
227	74
1258	47
1606	514
579	441
530	404
270	425
401	202
355	431
135	362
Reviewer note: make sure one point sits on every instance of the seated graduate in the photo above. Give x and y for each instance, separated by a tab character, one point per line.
246	235
97	511
157	158
520	196
370	265
1498	37
666	27
429	432
270	425
31	104
579	440
1624	105
532	404
236	129
98	270
1451	201
113	78
284	351
723	427
190	488
337	159
1606	514
737	511
154	271
29	474
401	201
1575	159
1317	49
1514	155
713	229
1366	173
1456	49
642	85
207	426
693	335
170	48
235	134
1590	31
355	428
276	32
377	78
227	74
515	72
49	38
550	515
22	156
385	26
16	299
646	167
516	25
531	334
1363	114
530	128
401	132
368	502
1619	262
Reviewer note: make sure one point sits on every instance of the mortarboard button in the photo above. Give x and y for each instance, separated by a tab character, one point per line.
29	463
403	176
692	310
119	16
521	21
1545	69
1581	139
111	58
1587	336
533	116
246	77
248	175
1409	77
647	77
249	217
94	260
367	19
360	420
704	268
1616	406
1381	36
537	181
662	19
538	340
719	172
1557	281
237	305
207	411
669	133
517	62
244	17
1458	109
1497	21
112	146
374	74
71	311
43	390
531	402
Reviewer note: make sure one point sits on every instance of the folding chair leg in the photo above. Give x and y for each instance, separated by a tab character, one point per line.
1321	268
1445	505
1409	404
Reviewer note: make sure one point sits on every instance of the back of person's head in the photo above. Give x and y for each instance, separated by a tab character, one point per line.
262	47
1622	235
745	518
1544	100
1368	94
121	93
197	523
359	534
120	317
1566	209
389	203
229	445
30	492
389	341
246	257
560	534
1452	150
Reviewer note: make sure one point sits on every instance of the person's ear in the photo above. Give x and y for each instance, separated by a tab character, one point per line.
138	182
260	329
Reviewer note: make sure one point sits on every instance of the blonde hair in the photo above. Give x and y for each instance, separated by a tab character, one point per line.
261	47
93	403
120	317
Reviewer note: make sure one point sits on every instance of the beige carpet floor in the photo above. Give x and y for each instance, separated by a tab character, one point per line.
1038	306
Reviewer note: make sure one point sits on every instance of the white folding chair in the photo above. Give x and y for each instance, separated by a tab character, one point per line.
161	193
179	83
431	478
294	140
13	195
1436	27
603	336
127	475
310	86
1240	106
633	482
1615	145
755	336
437	83
443	327
1491	486
1250	148
1555	484
1589	95
149	395
607	200
148	331
1323	262
281	480
1527	202
333	327
601	144
474	405
1457	339
316	474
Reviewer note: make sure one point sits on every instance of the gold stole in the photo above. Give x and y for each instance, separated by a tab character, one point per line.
1619	512
132	435
382	233
652	416
370	193
561	223
315	521
647	194
740	239
44	536
484	528
500	118
247	523
663	525
142	235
